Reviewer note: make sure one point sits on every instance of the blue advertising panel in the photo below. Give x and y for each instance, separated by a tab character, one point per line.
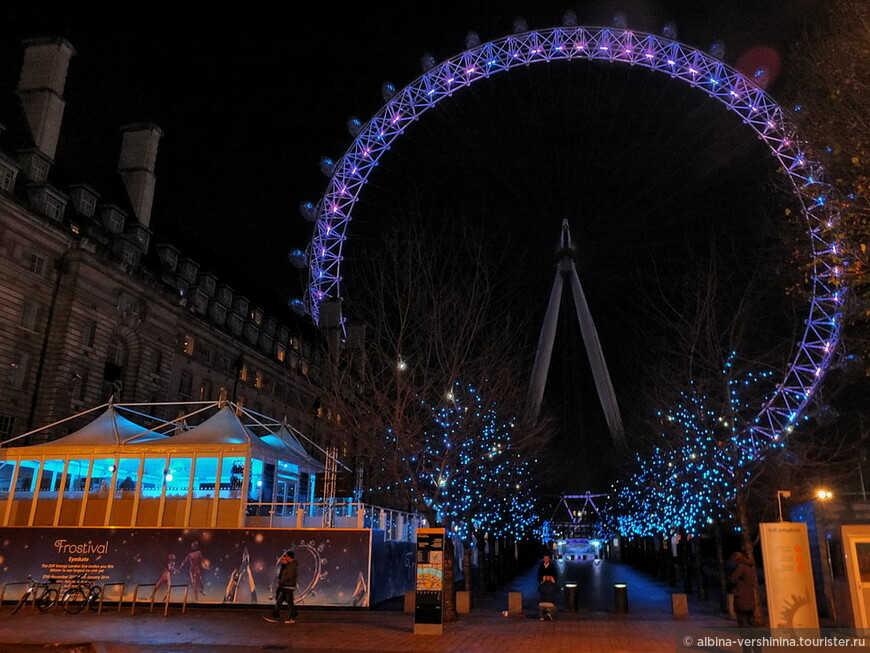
392	568
218	565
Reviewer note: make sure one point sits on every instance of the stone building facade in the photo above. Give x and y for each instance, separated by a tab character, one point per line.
94	305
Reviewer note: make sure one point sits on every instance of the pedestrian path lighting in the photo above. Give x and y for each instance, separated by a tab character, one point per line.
824	494
779	495
571	596
621	595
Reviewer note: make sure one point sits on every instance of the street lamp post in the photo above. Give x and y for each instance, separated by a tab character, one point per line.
779	495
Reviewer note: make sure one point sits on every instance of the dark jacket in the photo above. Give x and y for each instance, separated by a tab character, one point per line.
547	571
744	584
287	574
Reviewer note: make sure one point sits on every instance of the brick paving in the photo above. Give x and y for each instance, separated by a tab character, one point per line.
595	627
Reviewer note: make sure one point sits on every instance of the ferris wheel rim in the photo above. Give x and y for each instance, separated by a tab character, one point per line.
735	91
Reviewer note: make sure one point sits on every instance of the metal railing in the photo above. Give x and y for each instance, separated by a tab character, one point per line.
397	525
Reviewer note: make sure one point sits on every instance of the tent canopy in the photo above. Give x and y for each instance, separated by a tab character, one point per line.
109	429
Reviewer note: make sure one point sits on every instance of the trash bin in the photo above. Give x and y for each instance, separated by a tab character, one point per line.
571	596
621	595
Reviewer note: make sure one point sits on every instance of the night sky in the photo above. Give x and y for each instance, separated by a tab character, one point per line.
648	171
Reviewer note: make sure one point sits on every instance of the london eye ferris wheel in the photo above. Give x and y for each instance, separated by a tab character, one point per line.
649	146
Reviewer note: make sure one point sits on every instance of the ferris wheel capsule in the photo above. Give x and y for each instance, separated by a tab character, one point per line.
520	25
388	91
308	211
354	125
298	259
569	18
669	31
472	40
327	166
718	49
619	20
297	306
427	62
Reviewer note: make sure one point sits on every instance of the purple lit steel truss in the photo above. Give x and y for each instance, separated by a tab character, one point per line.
734	90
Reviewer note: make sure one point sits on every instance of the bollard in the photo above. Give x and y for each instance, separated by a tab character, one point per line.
571	596
515	603
621	595
680	606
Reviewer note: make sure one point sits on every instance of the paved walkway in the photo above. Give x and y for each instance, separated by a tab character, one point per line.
595	627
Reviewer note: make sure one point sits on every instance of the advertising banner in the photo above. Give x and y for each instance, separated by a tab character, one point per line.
217	565
788	575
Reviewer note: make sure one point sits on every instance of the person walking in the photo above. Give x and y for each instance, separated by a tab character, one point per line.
744	587
287	578
547	579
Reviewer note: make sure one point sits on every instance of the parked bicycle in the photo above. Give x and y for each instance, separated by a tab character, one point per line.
80	593
43	594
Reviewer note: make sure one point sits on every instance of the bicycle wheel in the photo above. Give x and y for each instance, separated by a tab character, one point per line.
94	598
22	601
47	599
74	600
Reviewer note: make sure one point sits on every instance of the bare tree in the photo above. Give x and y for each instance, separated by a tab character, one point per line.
830	90
437	332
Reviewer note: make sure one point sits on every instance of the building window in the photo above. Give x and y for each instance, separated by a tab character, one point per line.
8	175
225	295
258	380
114	221
113	371
205	352
129	256
117	352
294	343
7	423
235	323
129	305
218	313
89	332
168	255
187	270
36	264
185	383
86	204
243	373
188	344
280	352
208	283
17	369
29	315
156	361
142	239
223	393
256	316
38	168
205	390
79	384
47	202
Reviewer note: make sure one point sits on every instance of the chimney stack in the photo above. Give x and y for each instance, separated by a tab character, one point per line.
40	87
136	166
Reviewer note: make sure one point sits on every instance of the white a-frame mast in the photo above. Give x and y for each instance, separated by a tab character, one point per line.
567	270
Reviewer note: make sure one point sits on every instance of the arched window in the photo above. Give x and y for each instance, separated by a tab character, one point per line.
113	371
